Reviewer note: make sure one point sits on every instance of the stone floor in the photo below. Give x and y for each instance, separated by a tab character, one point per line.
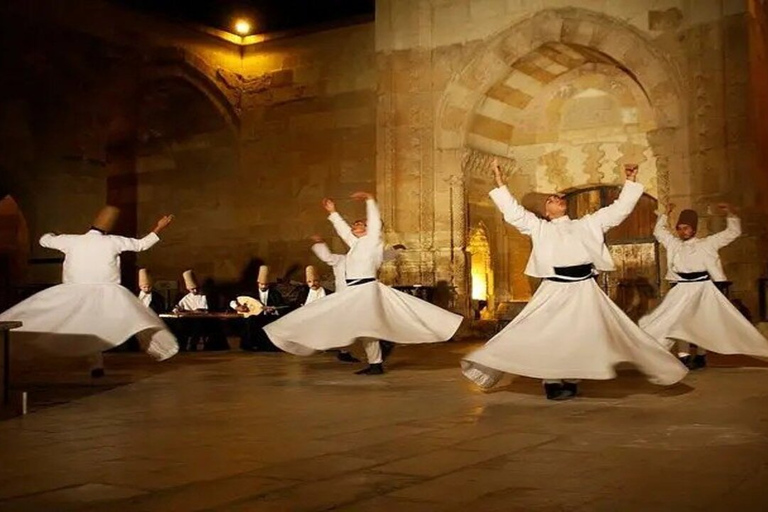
270	432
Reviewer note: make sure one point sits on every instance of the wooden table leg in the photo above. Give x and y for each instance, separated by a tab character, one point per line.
6	368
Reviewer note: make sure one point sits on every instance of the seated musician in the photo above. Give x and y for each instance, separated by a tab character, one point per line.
193	300
270	306
192	334
147	295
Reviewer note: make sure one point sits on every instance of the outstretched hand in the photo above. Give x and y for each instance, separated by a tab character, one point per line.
497	176
329	205
362	196
670	208
630	170
163	223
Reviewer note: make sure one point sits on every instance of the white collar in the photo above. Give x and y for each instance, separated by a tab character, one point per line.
564	218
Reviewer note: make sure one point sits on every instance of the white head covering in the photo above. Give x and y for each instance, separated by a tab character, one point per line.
190	281
263	275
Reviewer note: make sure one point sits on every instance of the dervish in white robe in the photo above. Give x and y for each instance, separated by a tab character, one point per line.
365	308
338	263
695	311
90	312
570	329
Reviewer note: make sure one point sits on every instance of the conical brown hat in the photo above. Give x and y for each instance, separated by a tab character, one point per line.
190	281
144	278
263	274
106	218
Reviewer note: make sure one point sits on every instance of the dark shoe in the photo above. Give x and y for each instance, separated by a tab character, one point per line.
346	357
686	360
97	373
371	369
386	349
553	391
698	362
572	388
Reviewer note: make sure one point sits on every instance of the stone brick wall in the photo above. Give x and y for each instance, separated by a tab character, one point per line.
458	75
241	144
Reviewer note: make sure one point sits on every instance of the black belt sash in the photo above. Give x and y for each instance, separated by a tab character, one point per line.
694	277
572	274
363	280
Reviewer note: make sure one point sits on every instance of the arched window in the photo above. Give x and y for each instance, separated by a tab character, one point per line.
636	280
481	270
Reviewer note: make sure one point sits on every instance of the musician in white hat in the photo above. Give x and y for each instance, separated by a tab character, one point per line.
366	309
194	300
269	307
90	312
695	315
570	329
147	295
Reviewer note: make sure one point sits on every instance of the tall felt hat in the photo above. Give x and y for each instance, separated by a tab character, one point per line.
263	274
144	278
311	273
536	202
190	281
106	219
689	217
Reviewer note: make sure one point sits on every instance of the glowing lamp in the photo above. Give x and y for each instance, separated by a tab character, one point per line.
242	27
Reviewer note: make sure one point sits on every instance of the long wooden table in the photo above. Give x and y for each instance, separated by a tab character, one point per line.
5	328
215	327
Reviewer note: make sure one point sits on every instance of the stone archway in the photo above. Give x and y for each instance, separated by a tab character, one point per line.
480	109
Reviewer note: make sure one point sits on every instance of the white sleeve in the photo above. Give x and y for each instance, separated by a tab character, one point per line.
373	219
136	244
323	252
731	232
342	228
58	242
662	232
614	214
523	220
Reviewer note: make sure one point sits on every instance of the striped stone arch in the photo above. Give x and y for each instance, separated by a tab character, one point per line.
516	64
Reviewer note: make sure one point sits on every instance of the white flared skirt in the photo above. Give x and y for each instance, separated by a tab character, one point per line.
699	313
370	310
571	331
74	320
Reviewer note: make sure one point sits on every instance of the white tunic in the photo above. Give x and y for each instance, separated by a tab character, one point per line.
698	312
337	262
569	330
314	295
696	254
366	253
90	312
193	302
552	241
370	310
145	298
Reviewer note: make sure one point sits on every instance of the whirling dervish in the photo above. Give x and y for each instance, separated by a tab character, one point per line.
366	308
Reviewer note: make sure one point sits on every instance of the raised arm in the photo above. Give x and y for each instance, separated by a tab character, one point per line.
614	214
523	220
339	224
513	212
142	244
661	230
732	229
323	252
58	242
372	214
